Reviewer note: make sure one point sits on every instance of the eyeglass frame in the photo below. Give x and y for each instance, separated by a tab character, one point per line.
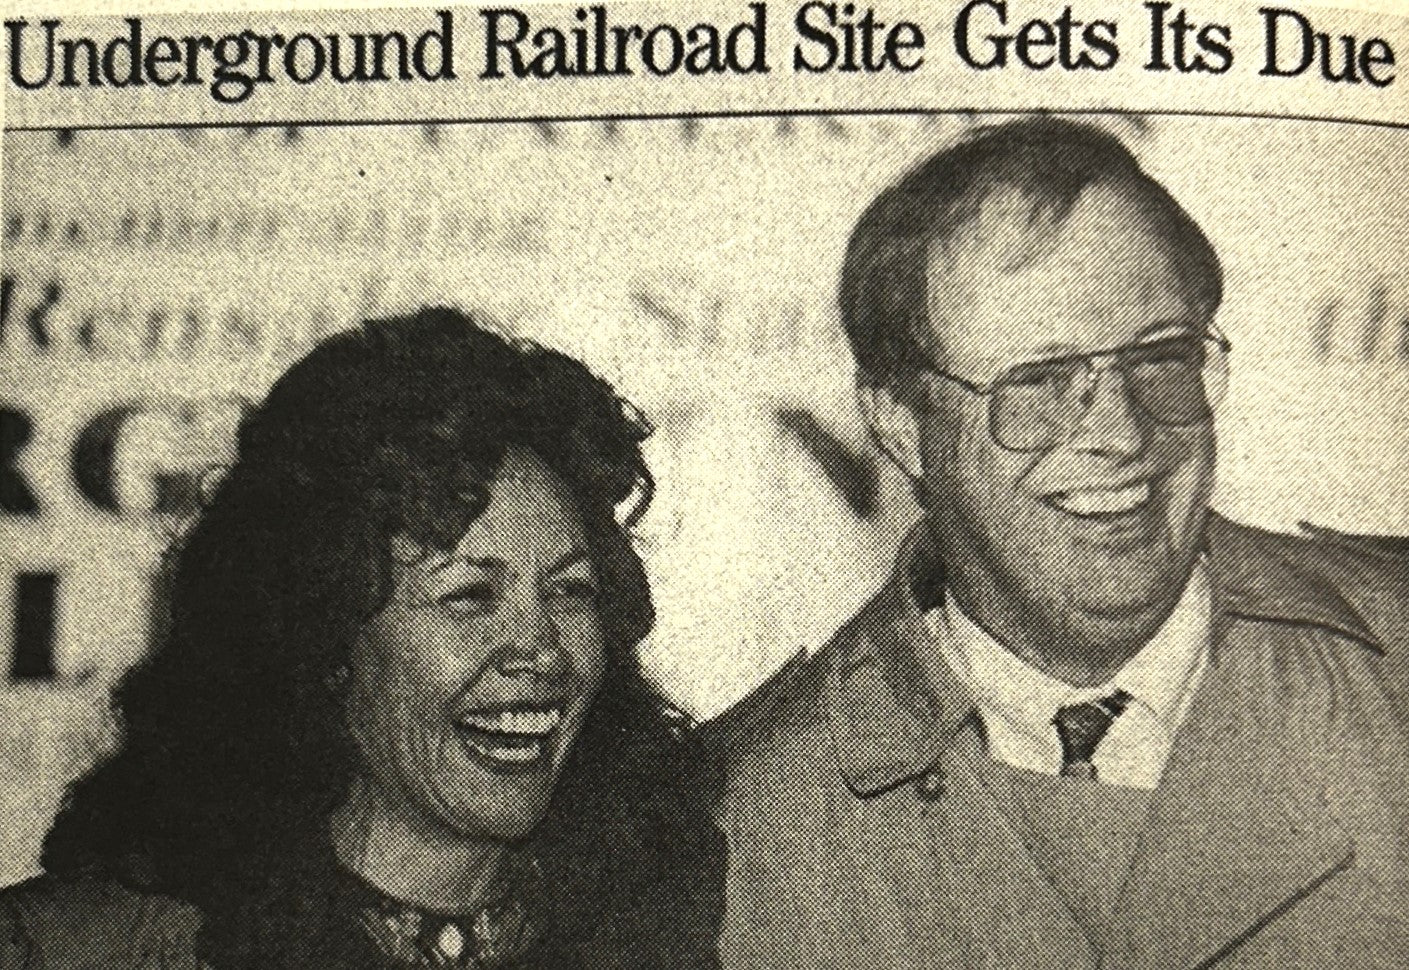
986	391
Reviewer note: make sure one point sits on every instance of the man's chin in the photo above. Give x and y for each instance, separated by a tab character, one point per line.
1123	609
1109	588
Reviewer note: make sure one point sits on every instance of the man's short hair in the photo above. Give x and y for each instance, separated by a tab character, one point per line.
1046	163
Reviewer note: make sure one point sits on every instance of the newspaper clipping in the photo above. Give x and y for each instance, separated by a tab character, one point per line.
892	483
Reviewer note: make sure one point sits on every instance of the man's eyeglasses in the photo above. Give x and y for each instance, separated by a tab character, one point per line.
1175	381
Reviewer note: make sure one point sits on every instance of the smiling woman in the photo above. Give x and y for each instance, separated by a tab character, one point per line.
396	720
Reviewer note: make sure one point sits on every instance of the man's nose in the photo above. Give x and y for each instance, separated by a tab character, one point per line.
1113	423
532	645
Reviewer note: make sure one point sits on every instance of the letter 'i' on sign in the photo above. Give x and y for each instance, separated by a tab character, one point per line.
36	596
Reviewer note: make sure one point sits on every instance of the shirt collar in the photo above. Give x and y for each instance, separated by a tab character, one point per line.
1163	674
891	719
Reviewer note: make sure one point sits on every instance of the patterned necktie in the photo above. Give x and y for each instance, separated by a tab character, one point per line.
1082	727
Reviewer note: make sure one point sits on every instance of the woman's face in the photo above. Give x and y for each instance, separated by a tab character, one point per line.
471	684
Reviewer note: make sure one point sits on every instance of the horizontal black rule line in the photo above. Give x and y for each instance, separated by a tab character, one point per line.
704	116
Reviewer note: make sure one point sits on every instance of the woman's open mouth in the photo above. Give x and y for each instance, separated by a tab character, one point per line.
512	737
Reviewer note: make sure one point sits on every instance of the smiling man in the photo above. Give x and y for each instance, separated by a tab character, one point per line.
1087	723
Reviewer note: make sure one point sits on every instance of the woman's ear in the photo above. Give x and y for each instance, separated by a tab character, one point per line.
894	426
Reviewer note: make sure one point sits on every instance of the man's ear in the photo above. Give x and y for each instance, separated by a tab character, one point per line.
894	426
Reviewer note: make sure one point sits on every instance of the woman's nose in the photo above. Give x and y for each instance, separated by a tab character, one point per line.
533	647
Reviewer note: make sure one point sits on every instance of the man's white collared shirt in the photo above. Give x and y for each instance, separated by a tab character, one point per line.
1017	701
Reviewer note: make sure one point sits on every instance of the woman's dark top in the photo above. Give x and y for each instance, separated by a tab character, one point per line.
653	898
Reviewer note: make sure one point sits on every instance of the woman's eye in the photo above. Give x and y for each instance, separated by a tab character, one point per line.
573	593
477	598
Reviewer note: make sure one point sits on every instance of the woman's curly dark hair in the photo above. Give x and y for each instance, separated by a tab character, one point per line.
235	749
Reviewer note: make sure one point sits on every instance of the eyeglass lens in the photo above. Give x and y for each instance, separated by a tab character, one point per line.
1174	382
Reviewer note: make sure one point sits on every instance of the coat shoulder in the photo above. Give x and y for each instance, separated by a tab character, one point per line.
1354	584
781	728
52	923
1370	573
1357	584
1368	564
787	695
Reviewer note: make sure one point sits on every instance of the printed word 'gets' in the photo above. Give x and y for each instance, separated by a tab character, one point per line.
988	36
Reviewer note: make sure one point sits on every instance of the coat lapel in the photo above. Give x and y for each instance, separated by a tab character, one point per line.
1237	833
1017	915
893	724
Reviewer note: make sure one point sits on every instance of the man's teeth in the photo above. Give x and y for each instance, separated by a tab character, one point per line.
518	721
1103	501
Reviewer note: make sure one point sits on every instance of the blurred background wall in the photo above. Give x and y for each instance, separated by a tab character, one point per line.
155	280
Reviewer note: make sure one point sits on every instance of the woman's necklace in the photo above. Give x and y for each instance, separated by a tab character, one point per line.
493	935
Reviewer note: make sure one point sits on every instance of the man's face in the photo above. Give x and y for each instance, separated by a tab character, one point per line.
1086	545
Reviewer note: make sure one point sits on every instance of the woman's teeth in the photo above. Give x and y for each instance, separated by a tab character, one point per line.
521	720
516	736
1103	501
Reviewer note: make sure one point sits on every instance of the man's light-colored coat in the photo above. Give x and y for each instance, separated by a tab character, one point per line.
862	835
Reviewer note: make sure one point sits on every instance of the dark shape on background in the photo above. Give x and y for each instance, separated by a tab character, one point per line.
16	497
87	333
852	474
1382	331
1324	327
7	290
676	325
38	316
177	493
156	324
35	597
92	459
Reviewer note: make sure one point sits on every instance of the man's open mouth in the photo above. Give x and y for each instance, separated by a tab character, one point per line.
1102	503
511	736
